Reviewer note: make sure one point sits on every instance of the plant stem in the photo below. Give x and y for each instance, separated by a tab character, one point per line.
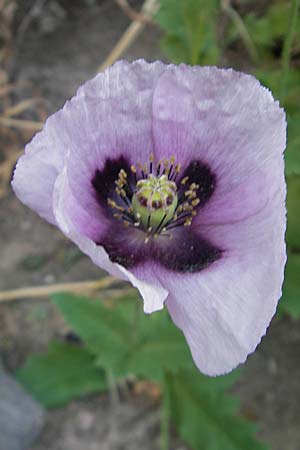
136	321
113	389
165	418
287	48
241	28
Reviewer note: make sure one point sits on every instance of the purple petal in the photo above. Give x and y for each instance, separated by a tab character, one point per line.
110	115
225	119
225	310
152	291
38	168
111	118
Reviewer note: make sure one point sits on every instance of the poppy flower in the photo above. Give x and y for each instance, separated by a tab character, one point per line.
172	177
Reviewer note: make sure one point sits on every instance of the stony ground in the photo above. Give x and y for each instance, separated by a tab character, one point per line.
62	48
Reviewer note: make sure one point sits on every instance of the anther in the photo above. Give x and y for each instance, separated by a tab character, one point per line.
119	183
188	222
184	180
111	203
196	202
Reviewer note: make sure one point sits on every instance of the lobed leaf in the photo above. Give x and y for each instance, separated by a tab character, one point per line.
65	372
206	417
123	338
190	27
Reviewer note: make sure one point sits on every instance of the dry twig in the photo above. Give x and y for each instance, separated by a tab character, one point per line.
150	7
133	14
20	124
44	291
18	108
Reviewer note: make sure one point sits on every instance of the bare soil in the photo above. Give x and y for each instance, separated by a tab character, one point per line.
61	48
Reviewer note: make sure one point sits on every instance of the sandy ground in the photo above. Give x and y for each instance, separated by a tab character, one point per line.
33	252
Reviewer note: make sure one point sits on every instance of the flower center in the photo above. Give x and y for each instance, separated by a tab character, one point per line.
152	200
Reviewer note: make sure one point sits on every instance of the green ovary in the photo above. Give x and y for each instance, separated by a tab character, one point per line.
155	201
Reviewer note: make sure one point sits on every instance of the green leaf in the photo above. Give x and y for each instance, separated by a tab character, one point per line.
123	338
292	153
206	417
190	27
267	30
65	372
105	331
290	301
272	80
160	347
293	207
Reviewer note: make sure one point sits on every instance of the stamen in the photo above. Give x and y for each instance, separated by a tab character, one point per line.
133	170
196	202
123	174
172	160
138	222
160	223
158	167
188	222
151	202
177	171
141	169
151	158
166	167
145	170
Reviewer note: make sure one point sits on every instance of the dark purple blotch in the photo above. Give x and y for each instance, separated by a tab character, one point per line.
187	251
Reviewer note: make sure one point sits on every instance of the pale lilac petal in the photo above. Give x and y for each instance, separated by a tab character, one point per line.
225	310
153	293
227	120
111	117
37	169
227	132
